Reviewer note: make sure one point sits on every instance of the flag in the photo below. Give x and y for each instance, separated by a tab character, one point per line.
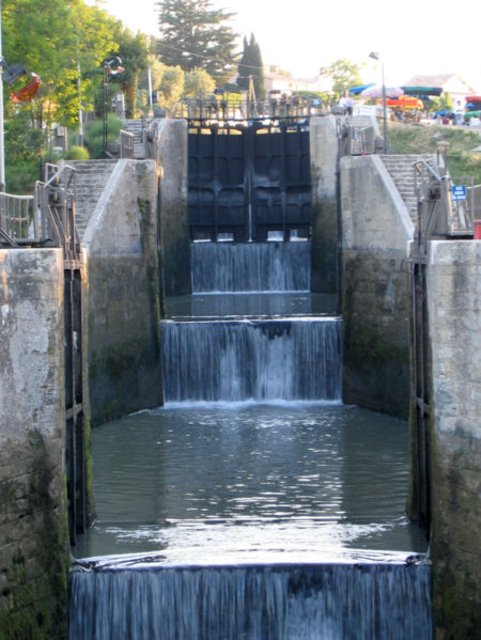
27	92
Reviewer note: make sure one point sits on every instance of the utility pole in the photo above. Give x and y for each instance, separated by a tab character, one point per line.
2	132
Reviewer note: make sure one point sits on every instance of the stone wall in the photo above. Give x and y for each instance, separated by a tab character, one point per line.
171	155
454	308
324	202
34	545
376	236
124	299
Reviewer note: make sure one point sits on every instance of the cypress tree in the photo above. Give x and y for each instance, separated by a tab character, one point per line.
251	65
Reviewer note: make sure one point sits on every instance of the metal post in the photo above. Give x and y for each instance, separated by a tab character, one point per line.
376	56
80	112
106	110
384	110
2	133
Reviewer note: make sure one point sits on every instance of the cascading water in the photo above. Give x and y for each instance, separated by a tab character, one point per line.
286	602
268	266
258	360
256	521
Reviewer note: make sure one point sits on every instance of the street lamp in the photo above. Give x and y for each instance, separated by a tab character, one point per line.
376	56
2	133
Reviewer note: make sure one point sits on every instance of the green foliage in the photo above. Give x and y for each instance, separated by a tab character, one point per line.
344	74
56	39
171	87
133	51
23	151
77	153
194	35
462	160
94	131
198	83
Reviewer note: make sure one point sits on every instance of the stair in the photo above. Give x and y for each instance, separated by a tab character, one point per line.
137	128
92	176
400	168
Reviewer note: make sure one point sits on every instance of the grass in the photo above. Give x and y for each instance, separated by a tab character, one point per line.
463	160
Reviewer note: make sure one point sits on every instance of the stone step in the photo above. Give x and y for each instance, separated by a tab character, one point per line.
91	178
401	169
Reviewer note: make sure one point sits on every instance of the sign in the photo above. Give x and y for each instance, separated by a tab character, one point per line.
458	193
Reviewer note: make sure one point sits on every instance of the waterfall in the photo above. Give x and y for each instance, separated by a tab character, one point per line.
269	266
252	359
258	602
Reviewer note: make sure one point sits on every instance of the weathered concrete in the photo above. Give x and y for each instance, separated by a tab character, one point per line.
171	150
376	236
324	149
123	301
34	543
454	303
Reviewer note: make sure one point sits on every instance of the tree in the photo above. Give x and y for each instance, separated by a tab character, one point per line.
171	87
198	83
344	74
56	39
193	36
133	51
251	66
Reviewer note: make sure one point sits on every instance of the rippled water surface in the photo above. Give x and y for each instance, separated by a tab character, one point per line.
252	483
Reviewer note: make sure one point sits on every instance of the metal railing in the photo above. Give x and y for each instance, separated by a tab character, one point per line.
126	144
356	140
55	200
439	213
16	218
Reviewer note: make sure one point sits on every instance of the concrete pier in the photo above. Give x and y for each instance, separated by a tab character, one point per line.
34	545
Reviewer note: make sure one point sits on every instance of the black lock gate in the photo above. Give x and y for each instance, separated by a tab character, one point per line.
248	180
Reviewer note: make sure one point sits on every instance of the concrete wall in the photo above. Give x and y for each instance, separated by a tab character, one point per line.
171	153
376	236
123	299
454	307
324	203
33	523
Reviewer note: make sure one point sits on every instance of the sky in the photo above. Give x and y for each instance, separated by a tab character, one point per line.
413	37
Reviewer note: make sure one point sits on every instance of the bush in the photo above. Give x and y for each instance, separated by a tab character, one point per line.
94	134
77	153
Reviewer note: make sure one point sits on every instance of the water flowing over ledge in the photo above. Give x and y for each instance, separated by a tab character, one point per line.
252	359
257	602
270	266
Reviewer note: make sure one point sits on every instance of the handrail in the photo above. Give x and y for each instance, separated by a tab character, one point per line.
16	215
55	203
126	144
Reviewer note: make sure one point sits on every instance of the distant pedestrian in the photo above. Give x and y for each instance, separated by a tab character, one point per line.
346	104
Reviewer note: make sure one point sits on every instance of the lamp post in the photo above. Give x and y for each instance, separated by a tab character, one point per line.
376	56
2	133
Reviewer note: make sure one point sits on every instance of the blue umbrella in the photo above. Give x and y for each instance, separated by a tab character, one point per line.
357	90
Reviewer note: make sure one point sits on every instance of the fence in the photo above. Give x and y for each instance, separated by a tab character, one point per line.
16	218
55	203
355	140
126	144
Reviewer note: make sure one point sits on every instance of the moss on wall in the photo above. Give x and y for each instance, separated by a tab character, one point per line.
36	564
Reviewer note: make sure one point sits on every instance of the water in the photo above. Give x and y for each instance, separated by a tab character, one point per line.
270	266
251	521
217	484
253	505
252	360
330	602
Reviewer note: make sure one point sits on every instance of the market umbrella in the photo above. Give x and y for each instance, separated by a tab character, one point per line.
360	88
376	92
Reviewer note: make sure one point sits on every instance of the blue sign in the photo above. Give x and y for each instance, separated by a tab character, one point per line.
459	193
